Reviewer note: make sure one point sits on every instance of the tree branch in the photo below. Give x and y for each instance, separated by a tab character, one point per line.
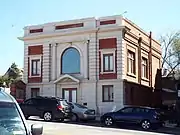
167	42
172	69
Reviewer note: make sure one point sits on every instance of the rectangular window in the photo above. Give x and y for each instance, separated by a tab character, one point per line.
35	67
144	67
34	92
107	92
108	64
70	94
131	62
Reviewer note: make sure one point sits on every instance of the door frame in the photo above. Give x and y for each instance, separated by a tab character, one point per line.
69	89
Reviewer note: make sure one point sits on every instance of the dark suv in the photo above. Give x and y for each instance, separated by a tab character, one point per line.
48	108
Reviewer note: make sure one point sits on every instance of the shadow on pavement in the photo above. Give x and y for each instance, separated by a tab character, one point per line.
165	130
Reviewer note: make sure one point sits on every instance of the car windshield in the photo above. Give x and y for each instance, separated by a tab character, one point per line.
10	120
80	106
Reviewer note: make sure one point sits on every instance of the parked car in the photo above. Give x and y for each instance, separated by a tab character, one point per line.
48	108
12	120
146	117
81	112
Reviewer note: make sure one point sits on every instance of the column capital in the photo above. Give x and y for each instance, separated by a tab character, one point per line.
53	44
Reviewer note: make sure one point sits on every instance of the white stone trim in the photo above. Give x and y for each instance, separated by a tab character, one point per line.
33	57
108	51
54	60
66	76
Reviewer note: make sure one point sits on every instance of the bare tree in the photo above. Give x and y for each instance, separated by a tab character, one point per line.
171	51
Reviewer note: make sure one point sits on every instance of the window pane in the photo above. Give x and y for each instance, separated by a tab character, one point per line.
66	95
133	66
129	65
146	72
143	71
105	94
138	110
111	94
10	120
131	62
38	67
81	106
106	63
111	63
108	93
127	110
71	61
34	67
144	68
74	96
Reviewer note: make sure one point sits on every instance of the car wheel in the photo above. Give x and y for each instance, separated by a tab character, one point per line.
146	124
47	116
74	117
108	121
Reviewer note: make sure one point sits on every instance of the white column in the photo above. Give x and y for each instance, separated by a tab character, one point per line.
53	61
46	62
26	62
93	59
56	66
121	61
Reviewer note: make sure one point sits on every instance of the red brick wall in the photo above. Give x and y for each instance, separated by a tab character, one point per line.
35	50
35	30
107	44
69	26
108	76
107	22
34	79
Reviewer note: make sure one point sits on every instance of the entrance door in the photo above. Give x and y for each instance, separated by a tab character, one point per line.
70	94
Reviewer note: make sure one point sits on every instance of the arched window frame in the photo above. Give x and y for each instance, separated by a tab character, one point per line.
62	60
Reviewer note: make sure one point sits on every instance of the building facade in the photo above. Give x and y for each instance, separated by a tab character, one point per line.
90	61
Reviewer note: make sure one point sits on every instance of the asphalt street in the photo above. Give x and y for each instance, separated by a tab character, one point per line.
67	128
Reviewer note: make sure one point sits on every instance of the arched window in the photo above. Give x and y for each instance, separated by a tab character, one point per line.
70	61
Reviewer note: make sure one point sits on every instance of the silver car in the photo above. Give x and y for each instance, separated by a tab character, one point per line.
81	112
12	120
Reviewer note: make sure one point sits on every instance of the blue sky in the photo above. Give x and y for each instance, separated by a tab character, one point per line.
158	16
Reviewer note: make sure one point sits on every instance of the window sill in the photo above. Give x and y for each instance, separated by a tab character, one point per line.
131	75
109	72
34	76
108	101
145	79
71	73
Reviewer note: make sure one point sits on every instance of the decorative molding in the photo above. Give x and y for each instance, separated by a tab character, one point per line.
67	76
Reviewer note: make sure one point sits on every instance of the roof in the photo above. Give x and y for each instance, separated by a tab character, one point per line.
49	97
4	97
147	107
10	71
